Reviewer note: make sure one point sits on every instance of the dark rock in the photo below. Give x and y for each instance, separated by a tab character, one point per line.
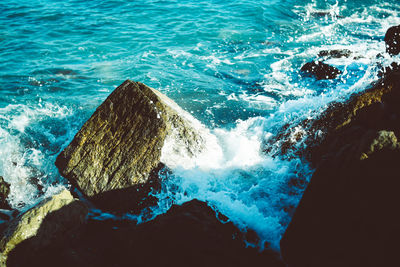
392	40
4	192
187	235
320	70
121	144
335	53
347	216
48	222
373	109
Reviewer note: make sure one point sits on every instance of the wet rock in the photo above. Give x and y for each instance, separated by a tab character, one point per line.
392	40
4	192
346	216
48	222
122	143
187	235
372	110
335	53
320	70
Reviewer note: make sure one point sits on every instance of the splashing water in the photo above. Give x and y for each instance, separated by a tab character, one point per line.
233	66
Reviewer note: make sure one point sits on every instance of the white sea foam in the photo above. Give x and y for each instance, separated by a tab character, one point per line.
176	152
241	181
247	186
21	163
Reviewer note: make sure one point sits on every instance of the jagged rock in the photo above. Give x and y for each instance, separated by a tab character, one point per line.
48	222
370	111
187	235
4	191
335	53
347	216
122	144
392	40
320	70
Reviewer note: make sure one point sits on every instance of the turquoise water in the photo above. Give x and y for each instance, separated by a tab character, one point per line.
232	65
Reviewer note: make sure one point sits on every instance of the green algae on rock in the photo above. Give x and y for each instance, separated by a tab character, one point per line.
48	221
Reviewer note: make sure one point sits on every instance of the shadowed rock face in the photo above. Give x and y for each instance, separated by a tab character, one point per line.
4	191
320	70
121	144
347	216
392	40
47	222
187	235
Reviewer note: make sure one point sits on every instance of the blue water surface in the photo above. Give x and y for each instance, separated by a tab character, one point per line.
233	64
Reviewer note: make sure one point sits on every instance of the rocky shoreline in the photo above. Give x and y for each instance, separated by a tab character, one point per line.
347	216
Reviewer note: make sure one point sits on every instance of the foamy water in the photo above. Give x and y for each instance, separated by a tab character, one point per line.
233	66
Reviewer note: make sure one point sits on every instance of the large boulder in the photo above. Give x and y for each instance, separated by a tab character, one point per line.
120	148
187	235
347	215
392	40
4	192
48	222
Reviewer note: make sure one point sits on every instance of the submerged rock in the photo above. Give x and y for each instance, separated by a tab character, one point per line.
187	235
335	53
320	70
4	192
392	40
49	222
119	149
347	216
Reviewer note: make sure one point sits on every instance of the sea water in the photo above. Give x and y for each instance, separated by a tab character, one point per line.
234	65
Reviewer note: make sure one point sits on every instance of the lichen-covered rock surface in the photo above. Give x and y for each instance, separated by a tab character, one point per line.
121	145
47	222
